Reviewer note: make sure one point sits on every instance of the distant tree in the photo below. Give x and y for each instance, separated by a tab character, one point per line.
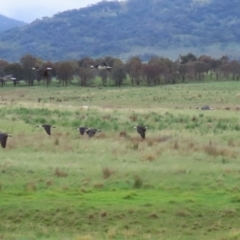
28	62
65	72
86	75
3	65
118	73
216	66
199	69
109	60
183	69
85	72
234	69
103	74
86	62
134	70
151	73
187	58
51	73
14	69
169	69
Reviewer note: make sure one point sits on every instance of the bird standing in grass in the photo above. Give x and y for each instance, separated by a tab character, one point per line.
3	139
92	131
82	130
47	128
141	130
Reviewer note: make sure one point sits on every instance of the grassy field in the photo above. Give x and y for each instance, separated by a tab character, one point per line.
182	182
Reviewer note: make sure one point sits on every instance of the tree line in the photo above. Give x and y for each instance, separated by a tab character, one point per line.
156	71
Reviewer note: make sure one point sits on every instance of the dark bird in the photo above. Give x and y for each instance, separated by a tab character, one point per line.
43	71
3	138
206	108
8	78
82	130
92	131
104	66
141	130
47	128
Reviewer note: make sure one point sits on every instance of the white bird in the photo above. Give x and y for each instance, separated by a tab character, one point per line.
104	66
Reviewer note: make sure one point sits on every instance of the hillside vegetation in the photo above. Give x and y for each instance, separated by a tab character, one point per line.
8	23
132	27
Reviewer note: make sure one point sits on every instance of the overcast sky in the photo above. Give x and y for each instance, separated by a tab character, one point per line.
29	10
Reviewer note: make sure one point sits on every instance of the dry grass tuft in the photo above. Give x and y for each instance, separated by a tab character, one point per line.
229	212
213	150
65	187
59	173
181	171
182	213
84	237
56	142
149	143
107	173
133	118
231	143
161	139
176	145
103	214
135	146
49	183
30	187
123	134
1	186
101	135
153	215
138	182
98	185
83	190
194	118
90	216
112	232
106	117
129	234
149	157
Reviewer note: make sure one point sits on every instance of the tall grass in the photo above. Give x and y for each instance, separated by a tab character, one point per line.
116	185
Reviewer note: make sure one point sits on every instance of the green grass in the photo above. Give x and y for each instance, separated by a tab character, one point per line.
182	182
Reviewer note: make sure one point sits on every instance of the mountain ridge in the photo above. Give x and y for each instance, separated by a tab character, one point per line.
133	27
9	23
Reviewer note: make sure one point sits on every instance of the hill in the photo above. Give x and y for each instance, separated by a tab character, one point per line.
133	27
8	23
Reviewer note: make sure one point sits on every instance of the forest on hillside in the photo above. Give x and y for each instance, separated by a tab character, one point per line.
83	72
9	23
132	27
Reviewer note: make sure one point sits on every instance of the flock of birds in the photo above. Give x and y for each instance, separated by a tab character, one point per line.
89	131
44	72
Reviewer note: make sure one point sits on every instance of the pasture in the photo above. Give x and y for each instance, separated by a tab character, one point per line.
181	183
